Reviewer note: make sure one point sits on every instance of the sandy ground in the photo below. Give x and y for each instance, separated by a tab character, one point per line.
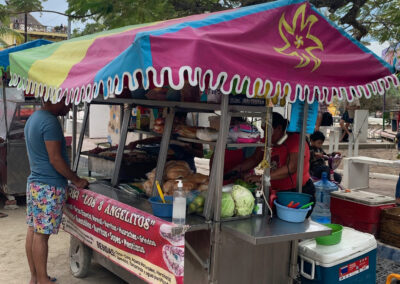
14	267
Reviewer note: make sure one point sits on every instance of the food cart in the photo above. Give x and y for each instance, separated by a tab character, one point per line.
14	111
283	49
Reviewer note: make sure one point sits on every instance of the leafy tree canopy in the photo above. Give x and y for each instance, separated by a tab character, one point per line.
24	6
377	19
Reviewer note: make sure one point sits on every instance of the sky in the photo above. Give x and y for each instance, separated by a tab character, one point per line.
377	47
51	19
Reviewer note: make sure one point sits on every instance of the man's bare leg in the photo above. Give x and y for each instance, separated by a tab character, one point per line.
40	252
28	249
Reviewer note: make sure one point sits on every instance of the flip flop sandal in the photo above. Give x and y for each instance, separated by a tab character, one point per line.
2	215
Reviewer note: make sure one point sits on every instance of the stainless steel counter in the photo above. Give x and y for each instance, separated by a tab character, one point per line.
258	231
255	230
194	222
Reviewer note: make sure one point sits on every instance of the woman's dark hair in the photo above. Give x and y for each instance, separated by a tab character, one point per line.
317	135
277	120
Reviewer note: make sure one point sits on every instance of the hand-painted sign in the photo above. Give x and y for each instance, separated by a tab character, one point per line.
139	242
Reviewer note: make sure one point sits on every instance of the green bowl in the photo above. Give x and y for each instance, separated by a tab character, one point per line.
334	238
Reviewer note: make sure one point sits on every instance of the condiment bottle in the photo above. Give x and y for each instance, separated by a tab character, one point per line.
259	208
179	205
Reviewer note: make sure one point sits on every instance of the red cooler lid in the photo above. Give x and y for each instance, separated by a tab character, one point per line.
363	197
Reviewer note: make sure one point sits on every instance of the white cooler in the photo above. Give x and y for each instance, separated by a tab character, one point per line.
353	260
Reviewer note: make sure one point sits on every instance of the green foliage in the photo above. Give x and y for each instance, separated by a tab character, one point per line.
383	19
375	103
24	6
113	14
380	18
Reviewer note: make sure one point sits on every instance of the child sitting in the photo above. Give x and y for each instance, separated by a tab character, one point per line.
317	157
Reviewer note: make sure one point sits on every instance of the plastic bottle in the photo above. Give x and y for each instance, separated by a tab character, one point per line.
259	208
323	188
179	205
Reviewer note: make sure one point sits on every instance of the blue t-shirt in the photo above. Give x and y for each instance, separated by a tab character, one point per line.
43	126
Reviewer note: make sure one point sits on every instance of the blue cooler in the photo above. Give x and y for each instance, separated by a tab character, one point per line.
353	260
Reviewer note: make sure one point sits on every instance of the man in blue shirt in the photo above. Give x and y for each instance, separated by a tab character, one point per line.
47	183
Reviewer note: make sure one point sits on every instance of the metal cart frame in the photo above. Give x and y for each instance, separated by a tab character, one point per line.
210	239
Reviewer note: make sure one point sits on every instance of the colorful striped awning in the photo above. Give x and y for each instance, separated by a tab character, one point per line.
285	47
5	62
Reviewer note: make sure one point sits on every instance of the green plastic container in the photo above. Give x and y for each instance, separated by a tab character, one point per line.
334	238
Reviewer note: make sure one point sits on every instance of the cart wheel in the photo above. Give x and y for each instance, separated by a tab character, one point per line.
80	256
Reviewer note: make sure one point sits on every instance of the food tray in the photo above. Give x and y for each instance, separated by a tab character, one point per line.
128	171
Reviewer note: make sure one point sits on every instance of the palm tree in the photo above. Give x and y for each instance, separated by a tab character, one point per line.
7	31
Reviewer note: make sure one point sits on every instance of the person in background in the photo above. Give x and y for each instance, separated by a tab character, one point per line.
397	194
317	157
3	215
46	185
183	151
348	118
324	118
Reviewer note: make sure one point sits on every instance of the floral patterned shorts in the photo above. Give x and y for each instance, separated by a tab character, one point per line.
44	205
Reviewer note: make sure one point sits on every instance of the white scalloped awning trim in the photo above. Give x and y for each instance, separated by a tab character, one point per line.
258	88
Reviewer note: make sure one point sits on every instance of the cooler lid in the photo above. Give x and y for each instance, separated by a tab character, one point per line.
364	197
352	242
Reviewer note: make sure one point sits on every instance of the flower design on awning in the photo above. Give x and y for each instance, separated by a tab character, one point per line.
298	39
285	48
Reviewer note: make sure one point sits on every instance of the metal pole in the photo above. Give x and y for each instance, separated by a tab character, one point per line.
350	146
268	129
81	137
5	109
383	112
121	145
162	156
299	184
74	132
26	27
69	28
300	161
293	260
219	157
208	204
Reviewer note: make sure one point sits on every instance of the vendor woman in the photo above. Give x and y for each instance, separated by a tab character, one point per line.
284	157
182	151
234	156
